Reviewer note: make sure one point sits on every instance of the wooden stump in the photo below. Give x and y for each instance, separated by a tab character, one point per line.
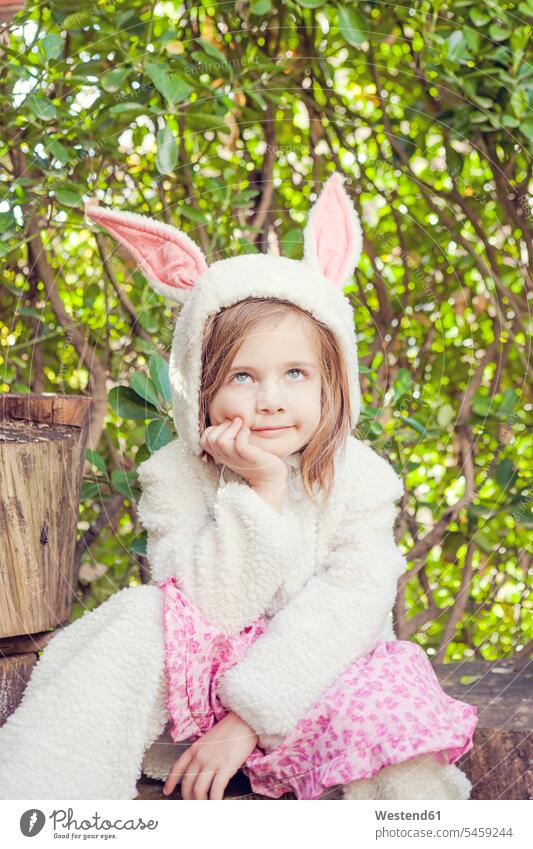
42	456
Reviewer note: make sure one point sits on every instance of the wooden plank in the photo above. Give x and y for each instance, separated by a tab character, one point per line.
27	642
15	673
501	690
499	764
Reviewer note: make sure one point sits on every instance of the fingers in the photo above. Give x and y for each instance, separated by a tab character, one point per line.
218	440
212	434
196	780
224	439
196	786
175	774
218	786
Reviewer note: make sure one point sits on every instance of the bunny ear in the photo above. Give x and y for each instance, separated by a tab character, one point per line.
170	260
332	236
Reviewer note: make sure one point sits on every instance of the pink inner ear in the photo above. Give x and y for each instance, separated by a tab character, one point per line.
162	253
333	233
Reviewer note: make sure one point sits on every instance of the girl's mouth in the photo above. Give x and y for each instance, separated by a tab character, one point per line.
270	429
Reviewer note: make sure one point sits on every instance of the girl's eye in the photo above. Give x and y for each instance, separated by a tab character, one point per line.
296	369
239	373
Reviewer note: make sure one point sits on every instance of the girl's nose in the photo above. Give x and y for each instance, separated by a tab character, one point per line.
269	398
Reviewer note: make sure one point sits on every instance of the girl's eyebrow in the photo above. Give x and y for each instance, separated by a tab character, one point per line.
285	365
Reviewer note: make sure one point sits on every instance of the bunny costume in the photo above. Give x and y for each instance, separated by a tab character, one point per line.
283	617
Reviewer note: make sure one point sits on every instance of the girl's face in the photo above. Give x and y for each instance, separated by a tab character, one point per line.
274	382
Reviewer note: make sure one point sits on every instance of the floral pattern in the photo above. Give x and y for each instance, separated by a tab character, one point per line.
386	707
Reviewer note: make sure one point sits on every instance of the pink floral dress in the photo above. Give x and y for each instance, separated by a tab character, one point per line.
386	707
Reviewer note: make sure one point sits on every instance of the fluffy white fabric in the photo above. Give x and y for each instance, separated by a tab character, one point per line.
423	777
94	702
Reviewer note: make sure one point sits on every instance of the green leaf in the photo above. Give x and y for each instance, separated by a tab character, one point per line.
505	473
402	385
129	106
169	83
260	7
193	214
114	79
311	4
76	20
52	45
353	26
159	373
445	415
479	18
142	454
143	386
128	405
519	102
97	460
482	405
89	489
472	39
526	127
510	121
206	121
158	433
58	151
483	541
67	197
167	151
457	46
122	481
40	107
91	293
138	545
31	311
509	401
415	425
7	222
212	50
498	32
149	321
470	679
292	243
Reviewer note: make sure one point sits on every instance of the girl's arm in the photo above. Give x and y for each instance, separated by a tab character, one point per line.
230	562
336	618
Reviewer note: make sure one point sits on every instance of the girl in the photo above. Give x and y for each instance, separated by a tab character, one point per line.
264	640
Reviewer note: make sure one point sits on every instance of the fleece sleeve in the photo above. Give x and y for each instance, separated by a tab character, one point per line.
337	617
230	561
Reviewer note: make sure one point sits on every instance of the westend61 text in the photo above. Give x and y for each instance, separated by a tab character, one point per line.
407	815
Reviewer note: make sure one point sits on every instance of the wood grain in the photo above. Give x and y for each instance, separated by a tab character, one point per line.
42	456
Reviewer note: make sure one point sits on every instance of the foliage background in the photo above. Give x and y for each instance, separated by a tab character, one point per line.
225	119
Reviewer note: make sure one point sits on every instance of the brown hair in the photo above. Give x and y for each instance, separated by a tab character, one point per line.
224	333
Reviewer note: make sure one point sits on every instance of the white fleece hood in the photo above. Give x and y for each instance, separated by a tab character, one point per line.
176	267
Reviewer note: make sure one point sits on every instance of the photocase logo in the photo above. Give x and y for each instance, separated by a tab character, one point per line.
31	822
